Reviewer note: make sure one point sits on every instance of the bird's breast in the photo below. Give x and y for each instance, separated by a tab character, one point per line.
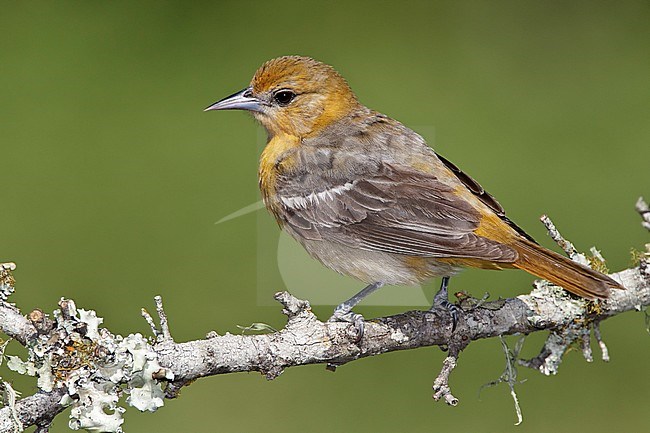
276	159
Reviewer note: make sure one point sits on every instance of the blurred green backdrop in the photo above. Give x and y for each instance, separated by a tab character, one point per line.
112	180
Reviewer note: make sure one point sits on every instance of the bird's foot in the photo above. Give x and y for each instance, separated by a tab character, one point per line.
441	300
347	316
453	310
343	313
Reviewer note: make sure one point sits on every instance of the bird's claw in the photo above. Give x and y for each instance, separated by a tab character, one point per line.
441	300
453	310
350	317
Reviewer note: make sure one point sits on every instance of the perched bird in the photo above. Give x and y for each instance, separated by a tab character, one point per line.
368	198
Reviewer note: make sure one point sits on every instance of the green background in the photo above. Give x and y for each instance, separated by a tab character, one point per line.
112	179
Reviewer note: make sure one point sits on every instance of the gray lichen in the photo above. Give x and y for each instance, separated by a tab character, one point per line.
6	280
96	367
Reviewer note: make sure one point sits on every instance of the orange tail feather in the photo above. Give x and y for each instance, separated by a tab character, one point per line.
559	270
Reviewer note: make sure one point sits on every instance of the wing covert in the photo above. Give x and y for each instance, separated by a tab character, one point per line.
397	210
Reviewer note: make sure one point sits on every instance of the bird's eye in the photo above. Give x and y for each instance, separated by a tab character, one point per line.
284	97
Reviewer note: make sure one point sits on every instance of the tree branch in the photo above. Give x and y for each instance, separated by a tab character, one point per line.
307	340
37	409
87	367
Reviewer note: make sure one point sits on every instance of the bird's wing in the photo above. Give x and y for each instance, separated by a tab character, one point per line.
396	210
485	197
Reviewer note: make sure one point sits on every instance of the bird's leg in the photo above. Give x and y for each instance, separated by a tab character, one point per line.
441	299
343	312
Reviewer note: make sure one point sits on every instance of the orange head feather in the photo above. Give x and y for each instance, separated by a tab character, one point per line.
302	95
293	95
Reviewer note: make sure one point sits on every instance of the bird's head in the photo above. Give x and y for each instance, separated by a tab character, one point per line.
293	95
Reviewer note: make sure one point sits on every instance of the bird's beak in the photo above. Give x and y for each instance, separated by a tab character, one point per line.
242	100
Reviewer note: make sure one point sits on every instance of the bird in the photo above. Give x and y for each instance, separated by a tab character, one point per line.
368	198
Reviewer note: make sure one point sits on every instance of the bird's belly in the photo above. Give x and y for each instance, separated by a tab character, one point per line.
375	266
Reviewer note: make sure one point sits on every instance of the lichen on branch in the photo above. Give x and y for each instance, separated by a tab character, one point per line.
83	365
94	368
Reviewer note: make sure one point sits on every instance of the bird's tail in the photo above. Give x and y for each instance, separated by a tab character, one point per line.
559	270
